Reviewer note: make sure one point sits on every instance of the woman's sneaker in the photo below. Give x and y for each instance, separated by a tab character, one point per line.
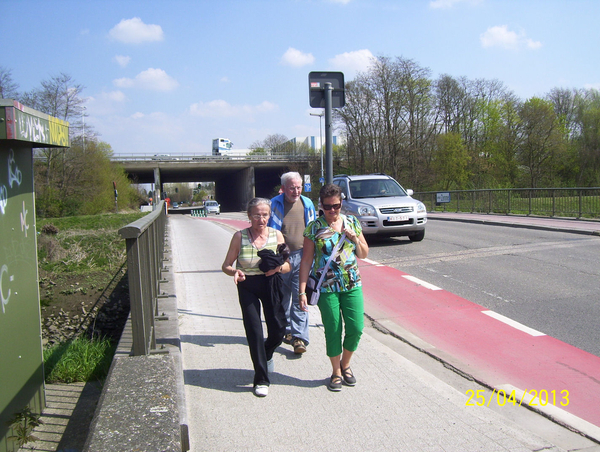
261	390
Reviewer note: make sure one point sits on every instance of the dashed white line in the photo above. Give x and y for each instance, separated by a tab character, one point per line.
513	323
421	282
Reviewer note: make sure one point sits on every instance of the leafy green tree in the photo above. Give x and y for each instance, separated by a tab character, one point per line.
588	139
451	162
541	141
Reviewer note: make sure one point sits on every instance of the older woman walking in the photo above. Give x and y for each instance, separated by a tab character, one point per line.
341	296
255	288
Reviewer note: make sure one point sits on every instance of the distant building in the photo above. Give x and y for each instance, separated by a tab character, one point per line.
316	142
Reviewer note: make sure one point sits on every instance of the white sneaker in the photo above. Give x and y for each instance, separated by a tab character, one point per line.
270	366
261	390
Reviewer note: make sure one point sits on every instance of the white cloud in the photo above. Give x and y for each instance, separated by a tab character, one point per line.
151	79
359	60
501	36
296	58
134	31
343	2
447	4
224	79
221	109
595	86
114	96
123	61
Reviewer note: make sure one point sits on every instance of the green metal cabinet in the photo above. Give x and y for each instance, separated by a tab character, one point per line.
21	363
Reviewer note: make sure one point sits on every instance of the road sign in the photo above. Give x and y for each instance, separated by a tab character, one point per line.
443	197
316	87
307	188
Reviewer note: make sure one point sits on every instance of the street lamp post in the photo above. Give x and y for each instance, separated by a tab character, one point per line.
320	115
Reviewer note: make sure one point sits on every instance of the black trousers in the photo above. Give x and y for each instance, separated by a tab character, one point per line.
252	291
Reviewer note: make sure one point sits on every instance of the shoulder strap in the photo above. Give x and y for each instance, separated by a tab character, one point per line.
333	254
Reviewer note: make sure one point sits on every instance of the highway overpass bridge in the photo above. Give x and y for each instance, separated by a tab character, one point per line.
237	179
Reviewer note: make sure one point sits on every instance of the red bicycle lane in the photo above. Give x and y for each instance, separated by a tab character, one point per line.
494	350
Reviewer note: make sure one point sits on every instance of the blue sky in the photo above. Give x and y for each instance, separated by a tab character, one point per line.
166	77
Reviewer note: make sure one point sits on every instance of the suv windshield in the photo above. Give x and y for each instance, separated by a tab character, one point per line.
375	188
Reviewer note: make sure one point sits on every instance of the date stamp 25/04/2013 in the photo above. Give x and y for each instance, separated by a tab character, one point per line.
501	397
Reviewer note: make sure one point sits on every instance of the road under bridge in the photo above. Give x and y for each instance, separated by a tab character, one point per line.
236	179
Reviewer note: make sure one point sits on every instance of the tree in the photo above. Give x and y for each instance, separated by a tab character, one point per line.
451	162
541	140
588	138
8	88
60	97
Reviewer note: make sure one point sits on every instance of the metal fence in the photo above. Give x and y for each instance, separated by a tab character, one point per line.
145	240
552	202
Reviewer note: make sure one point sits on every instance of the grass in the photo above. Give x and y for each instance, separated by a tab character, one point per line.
84	243
81	359
88	246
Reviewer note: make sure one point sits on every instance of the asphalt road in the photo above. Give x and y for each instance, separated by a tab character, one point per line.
546	280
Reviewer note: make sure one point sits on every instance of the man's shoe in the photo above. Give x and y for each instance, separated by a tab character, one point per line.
335	383
299	346
261	390
287	338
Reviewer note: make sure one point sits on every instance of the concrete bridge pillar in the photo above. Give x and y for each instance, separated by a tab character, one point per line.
157	185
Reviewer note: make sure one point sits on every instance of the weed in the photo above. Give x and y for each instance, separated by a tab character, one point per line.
23	424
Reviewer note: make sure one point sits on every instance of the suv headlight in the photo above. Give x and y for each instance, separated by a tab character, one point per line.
366	211
421	208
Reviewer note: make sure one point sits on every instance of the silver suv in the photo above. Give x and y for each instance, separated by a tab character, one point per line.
212	207
382	206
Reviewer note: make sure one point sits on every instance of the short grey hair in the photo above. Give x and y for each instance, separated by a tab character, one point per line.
254	202
290	176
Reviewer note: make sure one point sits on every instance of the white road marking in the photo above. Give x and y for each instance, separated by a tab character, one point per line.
513	323
369	261
421	282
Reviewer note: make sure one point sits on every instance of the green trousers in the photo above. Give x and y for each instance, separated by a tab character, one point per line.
347	305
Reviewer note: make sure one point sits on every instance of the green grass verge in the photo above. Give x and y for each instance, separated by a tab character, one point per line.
79	360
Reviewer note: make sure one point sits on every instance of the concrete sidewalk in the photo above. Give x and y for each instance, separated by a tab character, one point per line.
396	405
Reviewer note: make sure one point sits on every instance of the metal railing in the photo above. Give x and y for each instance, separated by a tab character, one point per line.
173	158
552	202
145	241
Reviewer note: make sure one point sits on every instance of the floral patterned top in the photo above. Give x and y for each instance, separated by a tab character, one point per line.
343	274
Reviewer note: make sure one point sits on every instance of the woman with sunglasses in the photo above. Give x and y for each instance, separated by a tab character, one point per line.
341	296
254	288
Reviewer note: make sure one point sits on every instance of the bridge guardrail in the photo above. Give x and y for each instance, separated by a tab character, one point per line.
145	242
578	202
205	157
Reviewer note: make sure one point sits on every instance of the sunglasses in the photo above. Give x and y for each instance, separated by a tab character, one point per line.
332	206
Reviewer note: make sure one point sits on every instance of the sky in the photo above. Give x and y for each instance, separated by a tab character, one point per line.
168	76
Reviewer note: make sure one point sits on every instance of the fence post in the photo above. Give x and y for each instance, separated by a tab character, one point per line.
145	246
580	203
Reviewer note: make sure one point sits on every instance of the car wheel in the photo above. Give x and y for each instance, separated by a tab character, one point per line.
417	237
